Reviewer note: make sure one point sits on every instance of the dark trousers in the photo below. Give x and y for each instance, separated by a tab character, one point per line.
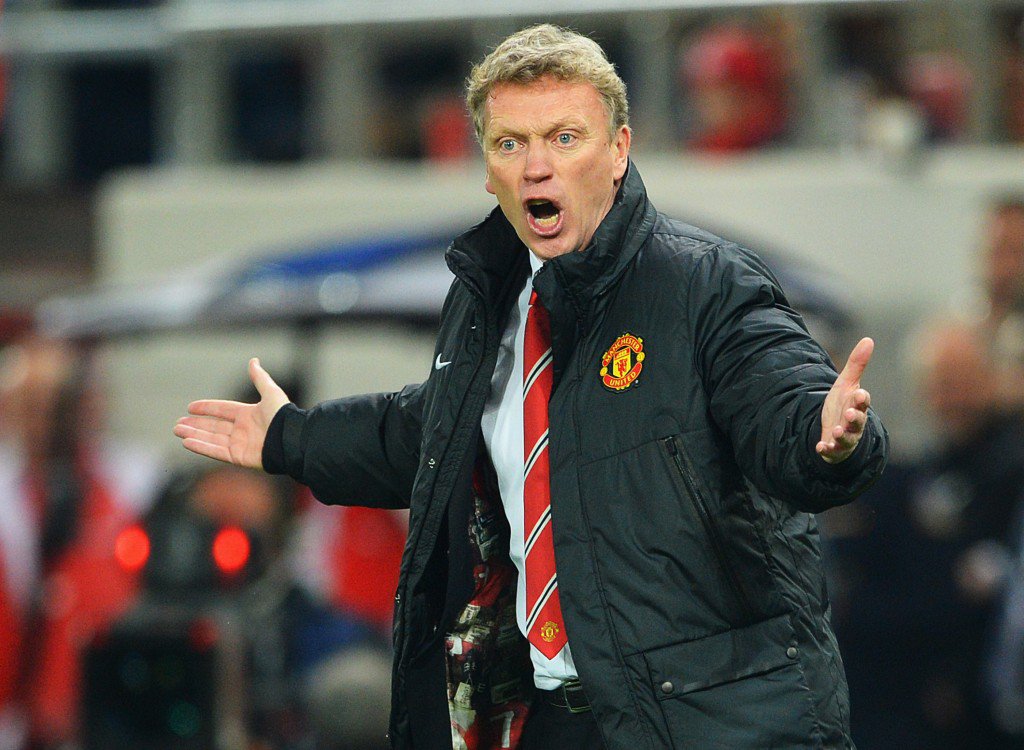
552	728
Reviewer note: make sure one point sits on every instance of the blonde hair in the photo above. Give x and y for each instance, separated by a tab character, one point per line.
547	50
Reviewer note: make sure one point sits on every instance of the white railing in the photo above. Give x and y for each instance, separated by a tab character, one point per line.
30	32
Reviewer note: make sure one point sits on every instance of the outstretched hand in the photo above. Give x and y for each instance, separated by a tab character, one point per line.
230	431
845	411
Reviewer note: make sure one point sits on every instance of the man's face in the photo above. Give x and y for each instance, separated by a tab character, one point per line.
551	162
958	383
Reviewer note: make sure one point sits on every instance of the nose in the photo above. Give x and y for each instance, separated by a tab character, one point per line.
538	163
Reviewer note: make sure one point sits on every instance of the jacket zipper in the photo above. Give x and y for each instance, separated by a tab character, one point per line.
403	587
682	463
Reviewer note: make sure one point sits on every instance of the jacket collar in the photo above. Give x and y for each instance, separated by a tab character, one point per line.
491	253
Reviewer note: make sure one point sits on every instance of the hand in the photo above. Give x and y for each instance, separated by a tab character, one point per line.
845	411
230	431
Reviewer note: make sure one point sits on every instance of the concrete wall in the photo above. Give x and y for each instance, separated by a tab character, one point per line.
898	237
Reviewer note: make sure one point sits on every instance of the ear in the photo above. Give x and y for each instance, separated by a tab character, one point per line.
487	184
621	148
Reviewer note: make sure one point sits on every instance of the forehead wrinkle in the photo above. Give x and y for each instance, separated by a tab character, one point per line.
550	116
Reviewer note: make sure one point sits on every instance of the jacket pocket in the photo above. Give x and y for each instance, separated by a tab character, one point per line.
743	688
682	470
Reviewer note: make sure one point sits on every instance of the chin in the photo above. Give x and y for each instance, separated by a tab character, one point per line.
552	249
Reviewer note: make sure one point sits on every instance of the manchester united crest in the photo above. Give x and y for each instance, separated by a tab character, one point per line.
622	363
548	631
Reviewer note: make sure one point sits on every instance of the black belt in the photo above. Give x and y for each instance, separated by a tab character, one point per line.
569	695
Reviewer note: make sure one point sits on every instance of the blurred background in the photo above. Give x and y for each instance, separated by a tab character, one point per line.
188	183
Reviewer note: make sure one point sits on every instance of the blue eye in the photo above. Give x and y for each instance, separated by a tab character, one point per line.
507	145
565	138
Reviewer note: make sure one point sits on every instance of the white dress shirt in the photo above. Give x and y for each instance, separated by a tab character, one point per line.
502	425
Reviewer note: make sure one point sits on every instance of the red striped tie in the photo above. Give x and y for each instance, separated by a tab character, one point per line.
544	626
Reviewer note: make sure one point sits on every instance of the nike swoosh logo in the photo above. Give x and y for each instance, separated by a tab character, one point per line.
438	364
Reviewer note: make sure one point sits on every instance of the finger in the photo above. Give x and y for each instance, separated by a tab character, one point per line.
215	408
836	451
859	399
854	420
186	432
210	424
858	360
209	450
845	437
261	379
848	441
827	449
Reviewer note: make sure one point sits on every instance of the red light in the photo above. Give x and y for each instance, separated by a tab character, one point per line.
231	549
131	549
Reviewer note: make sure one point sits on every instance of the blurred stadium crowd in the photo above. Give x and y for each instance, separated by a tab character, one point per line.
185	606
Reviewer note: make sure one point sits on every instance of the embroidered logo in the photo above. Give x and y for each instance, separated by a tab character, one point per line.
548	631
622	363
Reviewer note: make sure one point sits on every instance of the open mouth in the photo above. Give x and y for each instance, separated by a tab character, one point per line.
544	216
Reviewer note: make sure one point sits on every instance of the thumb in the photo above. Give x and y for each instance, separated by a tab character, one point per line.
858	361
265	384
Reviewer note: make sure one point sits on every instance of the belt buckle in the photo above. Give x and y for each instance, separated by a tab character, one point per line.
571	688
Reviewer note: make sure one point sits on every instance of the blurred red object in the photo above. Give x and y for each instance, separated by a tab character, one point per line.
366	555
446	130
83	591
940	84
131	549
736	83
231	550
351	556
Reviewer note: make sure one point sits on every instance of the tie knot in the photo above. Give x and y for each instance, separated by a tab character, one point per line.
533	298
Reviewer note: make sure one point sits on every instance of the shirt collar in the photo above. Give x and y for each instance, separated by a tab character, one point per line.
535	262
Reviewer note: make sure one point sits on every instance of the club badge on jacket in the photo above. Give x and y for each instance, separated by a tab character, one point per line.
622	363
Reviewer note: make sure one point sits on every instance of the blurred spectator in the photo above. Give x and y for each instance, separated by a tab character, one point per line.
1002	323
939	84
964	510
734	80
870	105
65	494
923	588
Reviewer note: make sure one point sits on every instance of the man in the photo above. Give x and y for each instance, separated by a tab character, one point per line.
66	493
1002	260
923	589
689	423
